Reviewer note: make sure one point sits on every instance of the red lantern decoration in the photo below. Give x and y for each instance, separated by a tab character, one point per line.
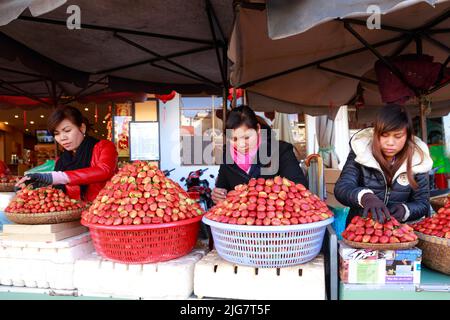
239	93
166	97
269	115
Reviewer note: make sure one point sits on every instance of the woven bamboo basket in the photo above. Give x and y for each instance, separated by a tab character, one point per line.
381	246
439	201
7	187
45	218
435	252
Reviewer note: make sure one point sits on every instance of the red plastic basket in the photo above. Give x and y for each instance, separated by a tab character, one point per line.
148	243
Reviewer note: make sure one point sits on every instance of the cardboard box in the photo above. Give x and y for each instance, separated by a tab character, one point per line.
331	176
364	266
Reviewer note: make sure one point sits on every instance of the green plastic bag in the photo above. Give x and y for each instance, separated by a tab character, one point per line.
440	158
48	166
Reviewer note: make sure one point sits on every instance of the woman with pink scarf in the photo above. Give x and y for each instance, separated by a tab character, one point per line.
253	152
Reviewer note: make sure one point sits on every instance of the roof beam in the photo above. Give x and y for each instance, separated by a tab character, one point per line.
209	13
317	62
113	29
348	75
138	46
174	55
390	66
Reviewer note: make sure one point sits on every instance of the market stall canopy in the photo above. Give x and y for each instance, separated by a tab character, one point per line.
150	46
321	50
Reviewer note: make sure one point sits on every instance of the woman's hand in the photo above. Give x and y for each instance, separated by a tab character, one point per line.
218	195
398	212
21	183
37	180
371	203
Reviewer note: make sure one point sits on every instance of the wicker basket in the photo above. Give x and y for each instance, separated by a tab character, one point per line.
435	252
439	201
381	246
7	187
45	218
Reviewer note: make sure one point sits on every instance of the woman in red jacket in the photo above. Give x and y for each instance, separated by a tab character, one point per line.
86	164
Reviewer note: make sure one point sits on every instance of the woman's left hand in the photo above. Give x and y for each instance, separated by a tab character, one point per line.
398	212
37	180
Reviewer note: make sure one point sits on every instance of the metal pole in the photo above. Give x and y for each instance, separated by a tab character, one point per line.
423	120
224	111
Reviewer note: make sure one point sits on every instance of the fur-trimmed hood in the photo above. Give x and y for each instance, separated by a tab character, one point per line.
361	144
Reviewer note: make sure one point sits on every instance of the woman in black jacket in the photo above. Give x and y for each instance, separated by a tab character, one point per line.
386	172
251	152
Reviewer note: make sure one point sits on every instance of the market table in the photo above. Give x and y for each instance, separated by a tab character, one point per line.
45	296
431	281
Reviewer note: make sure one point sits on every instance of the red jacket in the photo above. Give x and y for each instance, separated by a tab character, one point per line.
103	167
4	170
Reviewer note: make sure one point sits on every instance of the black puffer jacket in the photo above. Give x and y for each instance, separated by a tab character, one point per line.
362	174
283	162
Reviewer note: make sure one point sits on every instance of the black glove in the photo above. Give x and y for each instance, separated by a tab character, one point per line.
398	212
371	203
39	180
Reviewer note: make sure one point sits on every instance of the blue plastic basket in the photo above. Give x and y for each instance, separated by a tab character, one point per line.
268	246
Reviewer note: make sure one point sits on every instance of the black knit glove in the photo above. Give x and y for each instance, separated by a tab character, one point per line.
39	180
398	212
371	203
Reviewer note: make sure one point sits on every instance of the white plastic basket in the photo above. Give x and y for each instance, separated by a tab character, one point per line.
268	246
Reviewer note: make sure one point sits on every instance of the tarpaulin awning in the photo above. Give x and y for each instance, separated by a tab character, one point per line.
154	45
323	49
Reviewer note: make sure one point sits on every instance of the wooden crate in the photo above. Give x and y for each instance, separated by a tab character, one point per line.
216	278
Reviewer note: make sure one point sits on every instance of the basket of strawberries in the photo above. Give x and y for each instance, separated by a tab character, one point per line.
7	182
43	206
434	239
269	223
367	233
141	216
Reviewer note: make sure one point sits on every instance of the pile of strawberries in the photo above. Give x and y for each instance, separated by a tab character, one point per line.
438	225
270	202
367	230
42	200
140	194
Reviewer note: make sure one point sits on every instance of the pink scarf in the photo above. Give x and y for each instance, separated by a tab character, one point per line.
244	161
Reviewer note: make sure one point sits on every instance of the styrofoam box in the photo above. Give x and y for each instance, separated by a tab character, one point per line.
215	277
40	264
95	276
5	199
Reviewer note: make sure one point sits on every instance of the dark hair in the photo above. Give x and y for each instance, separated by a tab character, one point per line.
65	112
242	115
390	118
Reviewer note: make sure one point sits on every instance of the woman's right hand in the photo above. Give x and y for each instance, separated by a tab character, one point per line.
218	195
371	203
